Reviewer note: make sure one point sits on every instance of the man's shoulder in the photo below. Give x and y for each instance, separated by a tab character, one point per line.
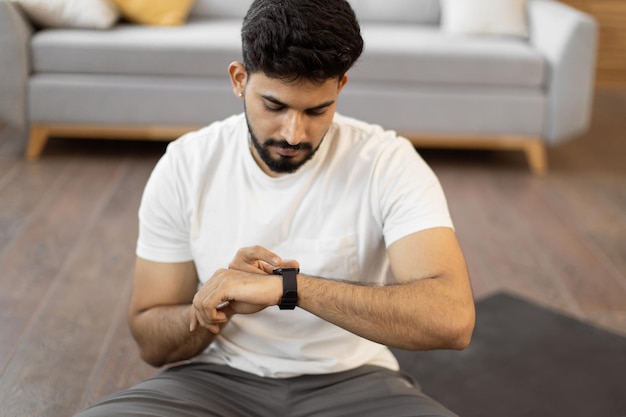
373	147
207	148
213	136
355	127
355	133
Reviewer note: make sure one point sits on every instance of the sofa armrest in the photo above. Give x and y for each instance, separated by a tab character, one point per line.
15	33
568	40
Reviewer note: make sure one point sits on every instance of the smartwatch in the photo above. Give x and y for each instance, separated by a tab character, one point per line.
289	300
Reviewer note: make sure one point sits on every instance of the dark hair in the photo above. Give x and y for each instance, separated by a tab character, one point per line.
301	39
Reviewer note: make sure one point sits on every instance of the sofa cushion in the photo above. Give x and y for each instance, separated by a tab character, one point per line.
220	8
95	99
408	11
442	109
394	53
197	49
415	11
425	54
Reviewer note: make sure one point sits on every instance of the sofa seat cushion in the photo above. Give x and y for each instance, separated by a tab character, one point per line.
201	48
425	54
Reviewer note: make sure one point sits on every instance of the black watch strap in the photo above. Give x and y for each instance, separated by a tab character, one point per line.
289	300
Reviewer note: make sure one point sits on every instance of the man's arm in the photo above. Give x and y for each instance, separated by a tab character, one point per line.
160	309
431	307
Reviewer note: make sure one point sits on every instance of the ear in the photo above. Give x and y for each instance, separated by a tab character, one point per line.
342	83
238	77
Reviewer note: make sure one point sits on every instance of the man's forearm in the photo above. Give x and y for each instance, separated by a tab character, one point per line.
163	336
424	314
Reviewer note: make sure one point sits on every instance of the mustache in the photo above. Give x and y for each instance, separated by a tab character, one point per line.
286	145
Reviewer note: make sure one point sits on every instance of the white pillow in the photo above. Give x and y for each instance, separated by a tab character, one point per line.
484	17
88	14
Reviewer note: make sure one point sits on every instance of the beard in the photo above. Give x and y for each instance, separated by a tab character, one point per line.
280	164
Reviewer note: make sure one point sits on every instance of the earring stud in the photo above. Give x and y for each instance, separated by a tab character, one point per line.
240	94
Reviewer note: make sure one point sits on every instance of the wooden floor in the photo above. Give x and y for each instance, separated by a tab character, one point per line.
68	229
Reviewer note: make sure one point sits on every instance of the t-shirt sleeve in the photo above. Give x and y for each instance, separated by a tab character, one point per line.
163	219
410	195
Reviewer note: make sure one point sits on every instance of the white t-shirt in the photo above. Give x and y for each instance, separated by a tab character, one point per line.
364	189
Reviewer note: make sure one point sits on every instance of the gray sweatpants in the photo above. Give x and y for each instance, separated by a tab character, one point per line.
205	390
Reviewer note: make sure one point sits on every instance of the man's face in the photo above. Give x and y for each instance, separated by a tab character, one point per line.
287	121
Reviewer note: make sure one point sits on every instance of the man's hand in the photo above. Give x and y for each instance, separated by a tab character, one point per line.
257	259
230	292
247	287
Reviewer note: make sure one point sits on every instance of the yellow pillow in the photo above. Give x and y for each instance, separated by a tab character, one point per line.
155	12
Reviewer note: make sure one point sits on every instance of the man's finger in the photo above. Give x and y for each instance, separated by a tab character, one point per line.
290	263
255	259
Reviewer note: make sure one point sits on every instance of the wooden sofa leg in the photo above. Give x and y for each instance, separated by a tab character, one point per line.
535	150
36	142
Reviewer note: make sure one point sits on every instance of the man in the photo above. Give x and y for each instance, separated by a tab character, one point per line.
231	211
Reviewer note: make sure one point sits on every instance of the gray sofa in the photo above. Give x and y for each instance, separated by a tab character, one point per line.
436	89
